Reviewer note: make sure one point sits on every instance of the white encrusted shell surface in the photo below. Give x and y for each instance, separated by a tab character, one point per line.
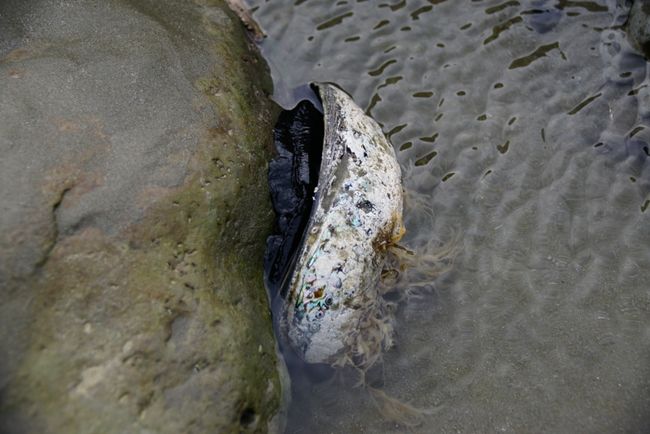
357	212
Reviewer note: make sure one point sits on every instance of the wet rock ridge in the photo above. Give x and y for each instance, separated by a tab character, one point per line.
134	139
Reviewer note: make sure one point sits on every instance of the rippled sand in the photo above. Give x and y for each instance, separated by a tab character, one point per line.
522	126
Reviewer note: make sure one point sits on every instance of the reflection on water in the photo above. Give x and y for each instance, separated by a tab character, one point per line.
524	127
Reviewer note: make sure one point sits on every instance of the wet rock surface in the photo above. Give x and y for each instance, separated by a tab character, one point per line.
133	218
638	26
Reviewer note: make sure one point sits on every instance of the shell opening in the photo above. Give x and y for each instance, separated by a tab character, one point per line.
293	177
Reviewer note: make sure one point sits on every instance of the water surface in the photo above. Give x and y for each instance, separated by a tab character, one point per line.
522	126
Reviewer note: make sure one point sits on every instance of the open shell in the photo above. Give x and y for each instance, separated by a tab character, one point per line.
356	215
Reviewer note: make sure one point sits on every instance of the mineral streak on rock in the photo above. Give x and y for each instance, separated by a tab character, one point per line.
356	215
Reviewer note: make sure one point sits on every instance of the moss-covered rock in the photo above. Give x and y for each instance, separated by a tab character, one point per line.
134	137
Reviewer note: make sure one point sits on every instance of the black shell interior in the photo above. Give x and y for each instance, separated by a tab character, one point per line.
293	176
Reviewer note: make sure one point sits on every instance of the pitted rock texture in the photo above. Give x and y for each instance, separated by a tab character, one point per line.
134	138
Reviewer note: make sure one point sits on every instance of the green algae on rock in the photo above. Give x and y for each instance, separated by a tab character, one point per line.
134	219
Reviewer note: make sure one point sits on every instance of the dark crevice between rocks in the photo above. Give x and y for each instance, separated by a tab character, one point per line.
52	240
248	418
293	176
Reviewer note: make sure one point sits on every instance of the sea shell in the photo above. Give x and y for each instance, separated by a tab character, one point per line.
355	216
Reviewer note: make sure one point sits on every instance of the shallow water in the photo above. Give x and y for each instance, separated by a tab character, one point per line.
523	127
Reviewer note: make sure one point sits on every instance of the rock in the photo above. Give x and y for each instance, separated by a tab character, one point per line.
134	209
240	8
638	26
